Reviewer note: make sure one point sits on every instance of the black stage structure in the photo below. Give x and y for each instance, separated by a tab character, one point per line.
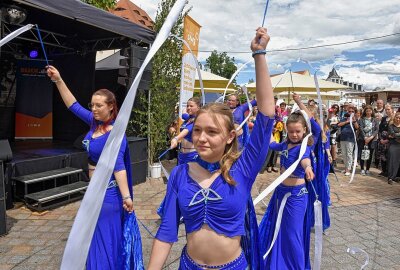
72	33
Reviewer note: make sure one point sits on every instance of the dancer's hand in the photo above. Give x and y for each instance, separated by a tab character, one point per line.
174	143
296	97
309	173
128	205
261	40
53	73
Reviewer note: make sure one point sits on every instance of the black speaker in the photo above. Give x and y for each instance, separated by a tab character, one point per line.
138	153
139	172
137	148
5	150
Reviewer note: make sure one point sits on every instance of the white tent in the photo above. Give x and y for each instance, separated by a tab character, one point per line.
212	83
294	82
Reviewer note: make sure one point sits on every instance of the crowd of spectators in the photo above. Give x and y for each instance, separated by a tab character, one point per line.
374	129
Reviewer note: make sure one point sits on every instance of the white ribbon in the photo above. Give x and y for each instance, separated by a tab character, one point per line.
244	88
289	170
15	34
232	78
278	223
318	234
81	234
354	250
321	116
355	149
203	96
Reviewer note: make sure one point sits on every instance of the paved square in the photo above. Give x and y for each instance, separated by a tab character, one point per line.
364	214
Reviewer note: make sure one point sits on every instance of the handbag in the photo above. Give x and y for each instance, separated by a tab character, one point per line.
365	153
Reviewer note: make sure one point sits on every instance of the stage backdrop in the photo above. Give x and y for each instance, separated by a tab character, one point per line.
33	115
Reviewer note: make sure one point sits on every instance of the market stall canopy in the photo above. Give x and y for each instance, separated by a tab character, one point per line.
300	82
330	95
71	23
212	83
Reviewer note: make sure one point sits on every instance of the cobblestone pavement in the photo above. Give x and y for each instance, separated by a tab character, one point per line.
364	214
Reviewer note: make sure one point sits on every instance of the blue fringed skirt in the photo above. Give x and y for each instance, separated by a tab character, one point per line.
106	246
289	250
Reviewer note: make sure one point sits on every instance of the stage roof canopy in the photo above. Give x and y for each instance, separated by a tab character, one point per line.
71	24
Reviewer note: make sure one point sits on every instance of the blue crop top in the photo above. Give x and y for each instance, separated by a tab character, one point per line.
221	206
94	146
189	126
288	157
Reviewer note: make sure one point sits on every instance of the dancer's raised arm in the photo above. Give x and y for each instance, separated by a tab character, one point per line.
264	93
65	93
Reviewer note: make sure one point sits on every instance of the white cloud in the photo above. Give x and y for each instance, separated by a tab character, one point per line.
370	55
230	25
384	68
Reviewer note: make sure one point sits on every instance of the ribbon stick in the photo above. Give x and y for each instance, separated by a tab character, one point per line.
232	78
355	149
265	13
163	154
203	95
41	43
289	170
354	250
81	234
15	34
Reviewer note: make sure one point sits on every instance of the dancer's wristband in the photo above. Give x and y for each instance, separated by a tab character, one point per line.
258	52
56	81
126	197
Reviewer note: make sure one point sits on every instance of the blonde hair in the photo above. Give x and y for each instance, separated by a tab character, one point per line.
231	152
392	118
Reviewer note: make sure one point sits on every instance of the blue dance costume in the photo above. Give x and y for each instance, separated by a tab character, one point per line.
116	242
238	118
221	206
184	158
321	169
289	250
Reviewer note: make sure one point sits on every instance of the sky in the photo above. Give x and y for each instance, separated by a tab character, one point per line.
229	25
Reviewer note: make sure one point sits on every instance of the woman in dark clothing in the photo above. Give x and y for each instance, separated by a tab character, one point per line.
394	149
368	135
383	139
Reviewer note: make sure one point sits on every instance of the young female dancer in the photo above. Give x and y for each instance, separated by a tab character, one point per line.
187	151
213	205
106	249
290	248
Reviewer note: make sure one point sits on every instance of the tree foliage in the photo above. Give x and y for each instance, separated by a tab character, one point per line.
153	121
221	64
102	4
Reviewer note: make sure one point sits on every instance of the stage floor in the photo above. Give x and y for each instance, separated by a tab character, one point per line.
32	149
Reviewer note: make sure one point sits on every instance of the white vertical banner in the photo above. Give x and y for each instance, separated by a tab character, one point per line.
187	81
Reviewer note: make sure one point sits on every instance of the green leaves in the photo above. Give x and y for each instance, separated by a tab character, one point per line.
102	4
221	64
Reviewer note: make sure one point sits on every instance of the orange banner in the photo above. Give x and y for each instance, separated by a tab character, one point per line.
191	34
